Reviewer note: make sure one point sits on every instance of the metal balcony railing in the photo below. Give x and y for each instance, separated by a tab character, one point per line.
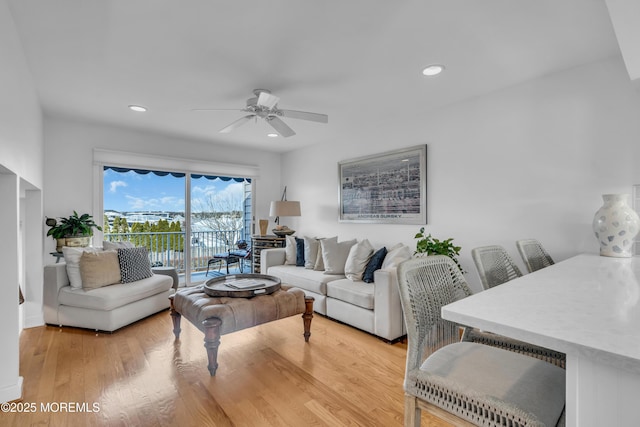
167	248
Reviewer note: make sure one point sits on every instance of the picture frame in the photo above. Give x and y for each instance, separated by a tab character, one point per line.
385	188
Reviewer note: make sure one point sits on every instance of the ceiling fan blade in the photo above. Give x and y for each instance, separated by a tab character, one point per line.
314	117
267	100
280	126
237	123
216	109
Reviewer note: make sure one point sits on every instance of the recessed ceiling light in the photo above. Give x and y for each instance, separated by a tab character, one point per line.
433	70
272	135
137	108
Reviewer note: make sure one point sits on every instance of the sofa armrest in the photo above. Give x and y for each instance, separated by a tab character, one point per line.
271	257
55	278
389	320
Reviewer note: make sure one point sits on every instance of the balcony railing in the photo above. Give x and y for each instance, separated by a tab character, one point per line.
167	248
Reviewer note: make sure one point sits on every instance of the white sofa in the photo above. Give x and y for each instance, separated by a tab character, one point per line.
372	307
106	308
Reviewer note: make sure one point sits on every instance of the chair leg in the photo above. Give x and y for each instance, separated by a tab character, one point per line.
411	412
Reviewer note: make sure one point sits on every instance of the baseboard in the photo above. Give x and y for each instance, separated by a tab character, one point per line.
11	392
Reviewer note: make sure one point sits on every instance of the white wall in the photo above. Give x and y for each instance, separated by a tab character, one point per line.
69	151
21	158
528	161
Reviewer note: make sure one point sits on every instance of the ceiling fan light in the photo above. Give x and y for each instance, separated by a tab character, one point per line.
433	70
272	135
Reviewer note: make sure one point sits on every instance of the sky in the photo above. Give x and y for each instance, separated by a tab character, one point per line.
130	191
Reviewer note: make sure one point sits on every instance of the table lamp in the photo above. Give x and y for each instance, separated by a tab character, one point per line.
283	207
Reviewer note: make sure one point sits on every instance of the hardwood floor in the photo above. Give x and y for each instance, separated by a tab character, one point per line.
267	376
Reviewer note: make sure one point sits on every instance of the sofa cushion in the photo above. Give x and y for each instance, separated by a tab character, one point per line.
334	254
290	250
357	293
311	245
114	296
299	252
396	255
72	259
375	263
357	260
134	264
114	246
99	269
319	264
310	280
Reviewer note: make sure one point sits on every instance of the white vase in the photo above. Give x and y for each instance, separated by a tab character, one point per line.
616	225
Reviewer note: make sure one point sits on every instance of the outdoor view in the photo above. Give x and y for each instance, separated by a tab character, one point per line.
148	208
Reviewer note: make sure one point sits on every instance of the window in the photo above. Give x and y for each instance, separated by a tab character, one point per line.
182	218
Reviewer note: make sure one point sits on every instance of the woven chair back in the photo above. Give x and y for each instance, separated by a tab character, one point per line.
427	284
494	265
533	254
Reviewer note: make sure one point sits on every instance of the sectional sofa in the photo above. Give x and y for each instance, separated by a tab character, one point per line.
344	295
108	294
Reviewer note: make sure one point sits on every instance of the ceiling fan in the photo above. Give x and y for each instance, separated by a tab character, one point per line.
265	106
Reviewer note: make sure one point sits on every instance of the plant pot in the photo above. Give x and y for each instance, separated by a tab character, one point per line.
73	241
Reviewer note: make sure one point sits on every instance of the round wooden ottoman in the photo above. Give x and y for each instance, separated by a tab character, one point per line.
217	316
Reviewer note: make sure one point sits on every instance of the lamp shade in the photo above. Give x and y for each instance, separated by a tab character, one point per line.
284	208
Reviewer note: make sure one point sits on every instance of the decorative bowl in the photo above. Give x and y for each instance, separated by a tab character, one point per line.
283	232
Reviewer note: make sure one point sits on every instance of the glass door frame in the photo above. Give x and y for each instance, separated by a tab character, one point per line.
130	160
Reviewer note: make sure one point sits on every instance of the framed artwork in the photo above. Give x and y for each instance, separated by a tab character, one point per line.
385	188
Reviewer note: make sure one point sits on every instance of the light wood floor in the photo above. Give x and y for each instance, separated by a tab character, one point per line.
268	376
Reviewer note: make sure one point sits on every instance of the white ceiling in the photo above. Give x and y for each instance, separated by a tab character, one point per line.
359	61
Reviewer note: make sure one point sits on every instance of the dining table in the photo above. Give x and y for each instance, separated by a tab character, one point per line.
588	307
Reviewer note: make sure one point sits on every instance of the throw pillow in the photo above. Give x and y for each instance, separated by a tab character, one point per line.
396	256
290	250
319	264
114	246
99	269
375	263
357	260
134	264
299	252
311	245
334	254
72	259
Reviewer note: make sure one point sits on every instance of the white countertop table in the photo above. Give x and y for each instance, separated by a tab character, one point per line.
588	307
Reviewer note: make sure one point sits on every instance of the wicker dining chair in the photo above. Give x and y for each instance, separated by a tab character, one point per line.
533	254
467	383
494	265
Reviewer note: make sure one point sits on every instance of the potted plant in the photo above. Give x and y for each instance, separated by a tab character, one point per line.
430	246
75	230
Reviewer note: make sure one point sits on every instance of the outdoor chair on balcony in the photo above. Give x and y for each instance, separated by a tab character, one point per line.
235	256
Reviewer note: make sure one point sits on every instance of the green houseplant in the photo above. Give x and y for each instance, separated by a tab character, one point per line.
430	246
74	230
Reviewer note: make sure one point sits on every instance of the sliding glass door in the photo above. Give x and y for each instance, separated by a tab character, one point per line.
183	219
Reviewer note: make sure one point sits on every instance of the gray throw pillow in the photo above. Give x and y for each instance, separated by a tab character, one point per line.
334	254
